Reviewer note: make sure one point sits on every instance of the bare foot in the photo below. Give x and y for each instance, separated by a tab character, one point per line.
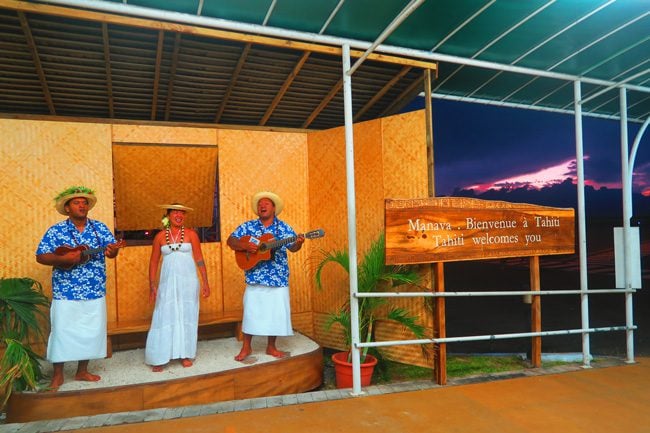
157	368
56	382
277	353
243	354
185	362
87	377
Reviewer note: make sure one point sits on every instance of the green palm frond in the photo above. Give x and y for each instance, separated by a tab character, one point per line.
410	322
373	275
22	304
20	369
20	299
339	257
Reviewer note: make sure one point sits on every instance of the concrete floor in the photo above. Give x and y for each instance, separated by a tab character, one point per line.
611	399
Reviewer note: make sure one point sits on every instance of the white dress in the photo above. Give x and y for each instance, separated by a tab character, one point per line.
174	325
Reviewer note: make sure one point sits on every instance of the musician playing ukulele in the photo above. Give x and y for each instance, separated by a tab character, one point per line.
267	311
78	310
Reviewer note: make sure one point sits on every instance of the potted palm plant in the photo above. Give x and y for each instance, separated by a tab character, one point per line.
22	304
373	275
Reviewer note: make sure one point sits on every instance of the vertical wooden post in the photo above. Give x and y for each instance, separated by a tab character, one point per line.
535	312
439	329
428	117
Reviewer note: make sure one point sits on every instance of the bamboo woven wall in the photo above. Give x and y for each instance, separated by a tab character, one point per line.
405	176
252	161
390	161
180	167
38	159
306	170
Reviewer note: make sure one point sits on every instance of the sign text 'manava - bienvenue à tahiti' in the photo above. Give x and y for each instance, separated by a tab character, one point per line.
448	229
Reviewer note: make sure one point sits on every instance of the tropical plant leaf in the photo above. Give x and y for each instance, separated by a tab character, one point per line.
339	257
20	302
410	322
20	369
372	275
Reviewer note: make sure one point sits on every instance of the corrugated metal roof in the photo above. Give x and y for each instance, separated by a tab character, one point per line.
65	58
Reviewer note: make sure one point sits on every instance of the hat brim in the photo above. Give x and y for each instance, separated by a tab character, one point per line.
175	207
277	201
61	201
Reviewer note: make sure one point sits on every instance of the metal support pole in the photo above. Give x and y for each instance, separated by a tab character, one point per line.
582	232
627	215
352	221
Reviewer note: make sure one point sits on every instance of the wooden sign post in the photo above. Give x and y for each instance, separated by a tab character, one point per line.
446	229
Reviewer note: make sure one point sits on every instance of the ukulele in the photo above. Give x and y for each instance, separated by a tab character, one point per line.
266	244
86	252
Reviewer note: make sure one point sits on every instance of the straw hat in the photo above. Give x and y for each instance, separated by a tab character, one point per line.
277	201
73	192
175	206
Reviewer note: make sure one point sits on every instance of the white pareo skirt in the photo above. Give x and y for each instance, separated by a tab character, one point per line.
78	330
267	311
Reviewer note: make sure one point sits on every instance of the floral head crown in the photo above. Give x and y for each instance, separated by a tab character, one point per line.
74	190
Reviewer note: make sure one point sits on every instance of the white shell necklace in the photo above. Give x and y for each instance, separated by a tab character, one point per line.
176	245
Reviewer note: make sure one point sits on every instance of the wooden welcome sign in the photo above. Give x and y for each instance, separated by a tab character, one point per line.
450	229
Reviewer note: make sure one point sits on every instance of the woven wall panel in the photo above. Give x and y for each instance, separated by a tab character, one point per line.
303	323
39	159
332	338
133	282
390	160
405	155
163	135
146	176
405	176
328	195
328	209
252	161
212	257
409	354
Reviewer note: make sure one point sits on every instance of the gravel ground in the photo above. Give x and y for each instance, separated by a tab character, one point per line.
127	367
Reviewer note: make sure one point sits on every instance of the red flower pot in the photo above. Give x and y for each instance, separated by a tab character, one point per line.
343	370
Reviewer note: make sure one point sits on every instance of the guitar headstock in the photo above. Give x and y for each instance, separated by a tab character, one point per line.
315	234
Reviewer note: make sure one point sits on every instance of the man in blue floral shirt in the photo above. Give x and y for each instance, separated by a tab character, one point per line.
267	310
78	310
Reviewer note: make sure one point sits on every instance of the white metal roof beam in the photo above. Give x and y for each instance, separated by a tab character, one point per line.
544	42
463	24
521	106
614	78
567	58
399	19
269	12
315	38
600	39
497	39
607	89
331	17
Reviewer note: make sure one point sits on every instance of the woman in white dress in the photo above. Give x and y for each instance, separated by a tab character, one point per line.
174	325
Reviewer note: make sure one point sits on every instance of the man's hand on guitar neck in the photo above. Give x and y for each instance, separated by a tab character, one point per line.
297	244
112	249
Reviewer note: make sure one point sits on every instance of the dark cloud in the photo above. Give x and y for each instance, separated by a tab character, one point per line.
480	144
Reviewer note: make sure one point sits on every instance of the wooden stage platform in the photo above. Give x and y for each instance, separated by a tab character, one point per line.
128	384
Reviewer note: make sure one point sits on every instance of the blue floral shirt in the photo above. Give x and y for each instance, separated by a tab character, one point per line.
84	281
273	272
